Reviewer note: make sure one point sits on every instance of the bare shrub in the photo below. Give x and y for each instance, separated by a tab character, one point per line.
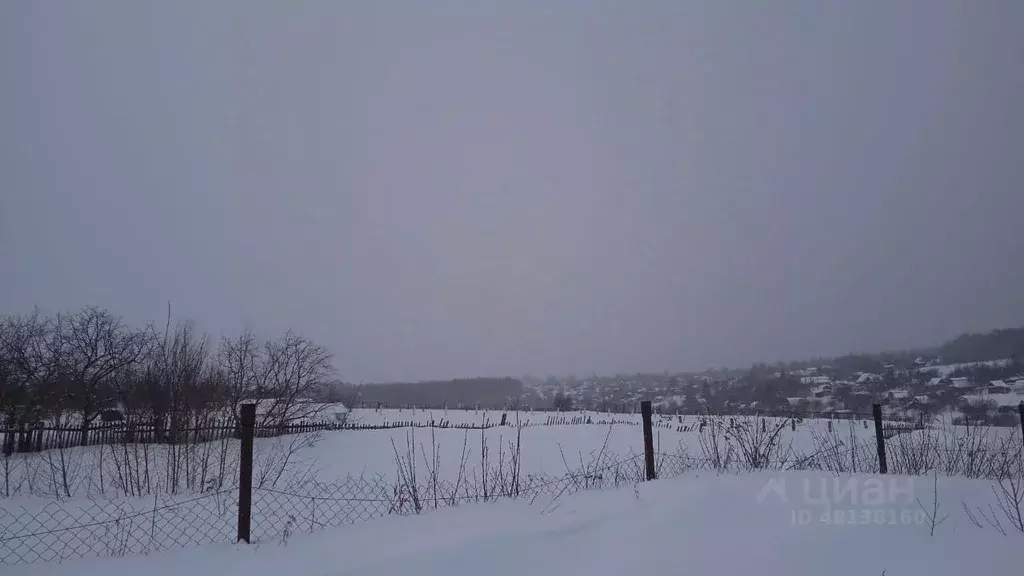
716	451
837	453
591	473
65	471
1009	493
932	513
9	467
758	444
913	453
407	487
969	451
278	459
433	465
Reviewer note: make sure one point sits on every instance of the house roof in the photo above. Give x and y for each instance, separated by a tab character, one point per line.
1010	399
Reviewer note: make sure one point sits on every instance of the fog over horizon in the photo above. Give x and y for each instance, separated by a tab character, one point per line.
454	189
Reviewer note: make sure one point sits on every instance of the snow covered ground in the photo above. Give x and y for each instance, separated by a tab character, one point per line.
114	500
545	449
704	524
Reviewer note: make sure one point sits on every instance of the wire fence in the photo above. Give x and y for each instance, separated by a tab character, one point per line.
57	530
280	513
62	530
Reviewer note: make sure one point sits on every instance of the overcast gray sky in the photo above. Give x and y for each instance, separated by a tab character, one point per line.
439	189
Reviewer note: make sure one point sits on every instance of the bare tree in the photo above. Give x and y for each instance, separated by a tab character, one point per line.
9	390
294	372
30	358
95	346
179	382
239	363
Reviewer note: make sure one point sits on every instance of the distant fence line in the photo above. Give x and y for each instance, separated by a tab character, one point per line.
630	409
27	438
39	438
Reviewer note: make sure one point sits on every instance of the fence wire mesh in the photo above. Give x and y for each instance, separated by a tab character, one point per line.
278	513
40	530
62	530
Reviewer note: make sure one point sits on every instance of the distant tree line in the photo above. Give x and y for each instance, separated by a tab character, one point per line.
72	367
562	402
485	392
1007	343
995	345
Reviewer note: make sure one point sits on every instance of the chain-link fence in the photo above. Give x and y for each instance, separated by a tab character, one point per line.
278	513
34	529
44	530
60	530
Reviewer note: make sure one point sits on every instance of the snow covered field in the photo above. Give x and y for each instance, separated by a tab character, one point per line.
567	444
138	499
704	524
549	443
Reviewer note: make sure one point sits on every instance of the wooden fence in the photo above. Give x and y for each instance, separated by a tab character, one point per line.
38	438
28	438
